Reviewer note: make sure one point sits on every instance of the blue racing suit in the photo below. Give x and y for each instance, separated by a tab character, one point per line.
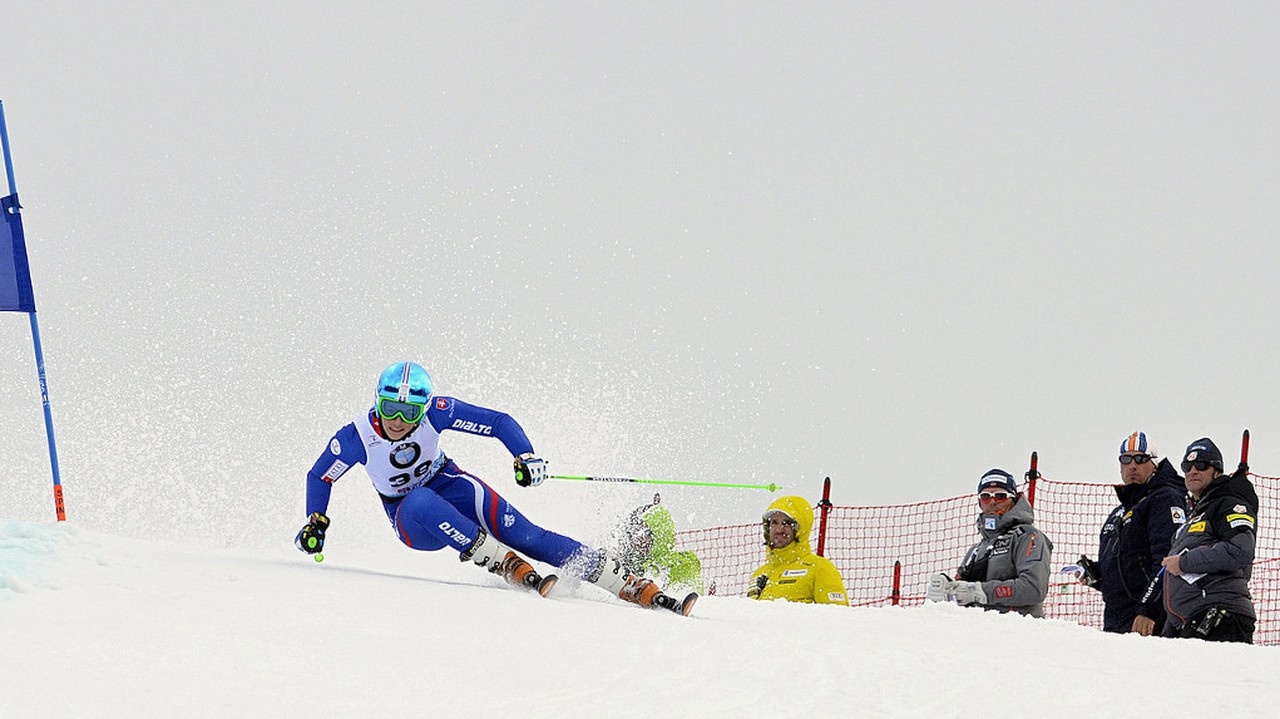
432	504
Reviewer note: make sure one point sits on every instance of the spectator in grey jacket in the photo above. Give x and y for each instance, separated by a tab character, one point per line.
1008	570
1207	596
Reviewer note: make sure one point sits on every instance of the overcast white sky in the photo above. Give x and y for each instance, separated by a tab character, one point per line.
893	243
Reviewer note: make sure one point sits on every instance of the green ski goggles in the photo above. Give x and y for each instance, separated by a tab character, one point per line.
410	412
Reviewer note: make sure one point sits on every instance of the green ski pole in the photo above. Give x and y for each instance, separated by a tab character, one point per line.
771	486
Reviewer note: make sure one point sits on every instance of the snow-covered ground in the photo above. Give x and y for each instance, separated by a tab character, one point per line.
101	625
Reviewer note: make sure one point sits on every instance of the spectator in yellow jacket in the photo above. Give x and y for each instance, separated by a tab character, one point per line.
792	571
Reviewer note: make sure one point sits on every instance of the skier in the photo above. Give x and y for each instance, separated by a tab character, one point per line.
646	542
432	504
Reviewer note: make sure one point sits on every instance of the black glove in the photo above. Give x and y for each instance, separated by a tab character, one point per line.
1092	574
310	538
530	471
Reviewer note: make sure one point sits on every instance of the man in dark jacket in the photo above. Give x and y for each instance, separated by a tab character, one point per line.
1136	537
1207	596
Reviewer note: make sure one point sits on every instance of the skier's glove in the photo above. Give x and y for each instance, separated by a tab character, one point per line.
940	586
530	471
310	538
758	586
967	593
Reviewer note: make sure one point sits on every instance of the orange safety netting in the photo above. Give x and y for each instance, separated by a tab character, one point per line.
870	544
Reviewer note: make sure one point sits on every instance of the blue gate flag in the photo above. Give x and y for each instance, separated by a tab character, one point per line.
15	275
16	296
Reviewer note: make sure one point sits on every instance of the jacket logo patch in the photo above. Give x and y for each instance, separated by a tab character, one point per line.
795	572
335	470
466	425
335	446
989	523
837	597
1004	591
1196	528
1002	545
1179	516
1240	520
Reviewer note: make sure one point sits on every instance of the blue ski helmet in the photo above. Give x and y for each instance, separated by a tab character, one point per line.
405	382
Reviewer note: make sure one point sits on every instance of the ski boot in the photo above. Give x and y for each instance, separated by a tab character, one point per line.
522	574
614	578
496	557
639	590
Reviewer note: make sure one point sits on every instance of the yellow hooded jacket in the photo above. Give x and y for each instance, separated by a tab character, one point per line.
795	573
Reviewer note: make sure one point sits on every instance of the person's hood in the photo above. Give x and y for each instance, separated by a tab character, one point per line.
1236	485
1020	513
798	509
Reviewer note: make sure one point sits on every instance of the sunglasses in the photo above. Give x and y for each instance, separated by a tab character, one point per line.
1201	465
993	496
1135	458
407	411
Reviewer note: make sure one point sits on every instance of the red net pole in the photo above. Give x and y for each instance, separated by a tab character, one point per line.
897	583
1032	475
825	506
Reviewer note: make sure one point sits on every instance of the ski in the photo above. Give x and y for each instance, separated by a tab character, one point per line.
541	585
682	607
544	587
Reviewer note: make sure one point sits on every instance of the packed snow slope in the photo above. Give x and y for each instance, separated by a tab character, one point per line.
100	625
